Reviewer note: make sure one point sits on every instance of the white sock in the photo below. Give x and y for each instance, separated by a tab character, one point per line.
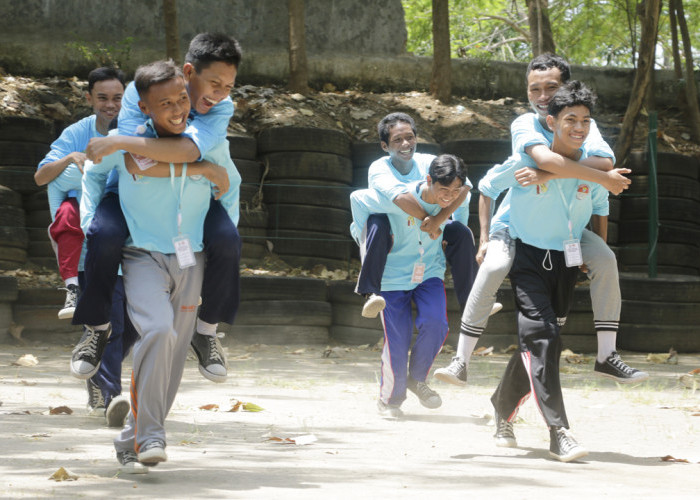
72	281
99	327
465	347
606	344
205	328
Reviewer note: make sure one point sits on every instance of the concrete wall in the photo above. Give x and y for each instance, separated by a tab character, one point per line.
351	43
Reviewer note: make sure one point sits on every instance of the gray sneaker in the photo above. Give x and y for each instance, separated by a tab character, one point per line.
96	402
129	463
613	367
454	373
427	397
563	446
505	437
389	412
374	304
211	357
152	453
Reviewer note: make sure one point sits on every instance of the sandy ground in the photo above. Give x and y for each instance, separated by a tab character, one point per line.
448	452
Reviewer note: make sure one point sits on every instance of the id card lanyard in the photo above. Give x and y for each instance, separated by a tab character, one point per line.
419	267
572	246
182	244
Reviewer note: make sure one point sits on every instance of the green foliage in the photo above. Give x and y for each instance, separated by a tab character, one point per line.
588	32
99	54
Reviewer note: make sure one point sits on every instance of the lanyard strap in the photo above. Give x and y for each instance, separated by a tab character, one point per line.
182	189
568	208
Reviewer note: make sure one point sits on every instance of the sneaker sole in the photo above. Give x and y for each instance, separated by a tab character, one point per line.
449	378
506	443
569	458
372	311
217	379
152	457
133	468
497	306
622	380
117	412
66	313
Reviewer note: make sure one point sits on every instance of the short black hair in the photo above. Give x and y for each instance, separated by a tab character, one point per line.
385	124
444	169
153	73
208	48
574	93
546	61
103	74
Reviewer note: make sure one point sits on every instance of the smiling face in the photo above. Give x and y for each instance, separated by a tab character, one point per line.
106	101
541	86
401	145
571	127
210	86
441	194
168	105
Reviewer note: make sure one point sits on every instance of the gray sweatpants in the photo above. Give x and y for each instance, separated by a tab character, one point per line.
162	304
597	256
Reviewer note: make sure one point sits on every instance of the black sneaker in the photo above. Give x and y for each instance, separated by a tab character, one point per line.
455	373
130	464
374	304
613	367
152	453
563	446
505	437
96	403
117	410
212	360
72	292
427	397
87	355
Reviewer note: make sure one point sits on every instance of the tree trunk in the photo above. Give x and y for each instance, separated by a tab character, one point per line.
441	78
540	29
172	36
298	64
642	77
691	93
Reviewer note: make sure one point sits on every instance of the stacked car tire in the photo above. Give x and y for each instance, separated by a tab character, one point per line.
307	183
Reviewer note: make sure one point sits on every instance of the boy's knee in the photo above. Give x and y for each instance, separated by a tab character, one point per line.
106	237
380	222
455	232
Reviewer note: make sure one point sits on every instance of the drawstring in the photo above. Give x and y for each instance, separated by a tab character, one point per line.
547	257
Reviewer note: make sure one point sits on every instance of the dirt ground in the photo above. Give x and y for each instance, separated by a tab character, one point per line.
448	452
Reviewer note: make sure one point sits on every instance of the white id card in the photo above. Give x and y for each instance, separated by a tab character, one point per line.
572	253
418	272
143	162
183	251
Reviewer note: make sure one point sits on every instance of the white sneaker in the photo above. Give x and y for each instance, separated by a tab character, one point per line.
373	305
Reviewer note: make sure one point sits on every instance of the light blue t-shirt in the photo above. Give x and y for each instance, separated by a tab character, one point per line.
408	239
150	204
206	130
74	138
541	215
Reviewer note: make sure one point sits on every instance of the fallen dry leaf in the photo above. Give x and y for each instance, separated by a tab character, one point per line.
24	382
510	349
657	358
252	407
63	474
26	360
669	458
299	440
60	410
210	407
483	351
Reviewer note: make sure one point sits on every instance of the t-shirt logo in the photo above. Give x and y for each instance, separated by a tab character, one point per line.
542	188
582	191
411	221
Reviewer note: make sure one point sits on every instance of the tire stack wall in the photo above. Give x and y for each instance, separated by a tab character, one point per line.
479	155
252	225
40	250
8	294
13	234
306	189
679	215
659	313
281	310
37	310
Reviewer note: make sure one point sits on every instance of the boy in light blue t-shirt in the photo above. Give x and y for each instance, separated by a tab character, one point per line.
414	273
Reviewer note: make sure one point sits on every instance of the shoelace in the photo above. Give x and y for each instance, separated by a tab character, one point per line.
566	442
617	362
424	391
505	429
214	354
90	346
96	398
455	367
